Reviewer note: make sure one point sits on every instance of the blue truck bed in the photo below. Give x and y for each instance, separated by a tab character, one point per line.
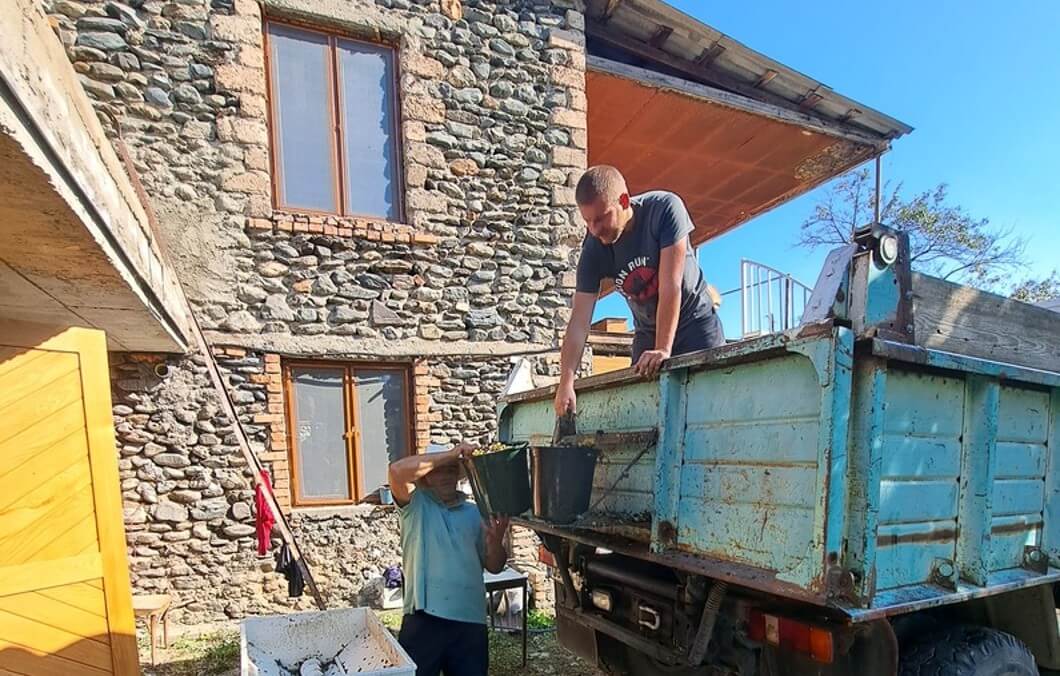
869	476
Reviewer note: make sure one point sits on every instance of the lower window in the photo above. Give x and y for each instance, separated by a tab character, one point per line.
347	423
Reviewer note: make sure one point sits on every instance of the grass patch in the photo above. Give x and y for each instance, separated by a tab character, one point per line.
211	654
545	657
220	653
539	619
391	619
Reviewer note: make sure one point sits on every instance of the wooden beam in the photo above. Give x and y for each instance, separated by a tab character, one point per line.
850	115
660	37
609	9
710	54
963	320
765	79
811	99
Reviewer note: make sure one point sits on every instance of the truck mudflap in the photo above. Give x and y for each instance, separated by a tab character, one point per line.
576	637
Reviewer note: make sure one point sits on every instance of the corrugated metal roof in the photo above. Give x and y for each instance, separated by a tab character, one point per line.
655	29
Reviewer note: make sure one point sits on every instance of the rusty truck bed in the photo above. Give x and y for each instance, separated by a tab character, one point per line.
869	476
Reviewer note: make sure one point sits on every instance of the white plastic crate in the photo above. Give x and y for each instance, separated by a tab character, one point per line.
344	641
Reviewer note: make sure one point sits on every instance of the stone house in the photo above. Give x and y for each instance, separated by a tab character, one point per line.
370	206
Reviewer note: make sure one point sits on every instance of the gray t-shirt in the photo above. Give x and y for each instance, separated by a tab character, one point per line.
659	220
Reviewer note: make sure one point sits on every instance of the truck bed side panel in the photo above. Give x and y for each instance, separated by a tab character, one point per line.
1018	494
921	457
748	483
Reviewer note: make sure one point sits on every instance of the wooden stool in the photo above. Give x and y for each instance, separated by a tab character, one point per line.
154	607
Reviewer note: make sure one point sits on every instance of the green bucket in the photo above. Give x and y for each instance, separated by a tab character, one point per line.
500	481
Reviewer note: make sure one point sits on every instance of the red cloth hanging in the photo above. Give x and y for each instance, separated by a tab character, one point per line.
264	519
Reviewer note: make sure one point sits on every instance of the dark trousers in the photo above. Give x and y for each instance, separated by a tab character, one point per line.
438	645
703	334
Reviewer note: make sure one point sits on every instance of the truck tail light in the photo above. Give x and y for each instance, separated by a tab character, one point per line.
793	635
545	556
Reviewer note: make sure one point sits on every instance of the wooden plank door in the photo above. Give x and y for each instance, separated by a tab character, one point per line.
65	600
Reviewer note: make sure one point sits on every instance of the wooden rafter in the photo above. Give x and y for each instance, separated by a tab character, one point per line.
609	9
811	99
850	115
710	54
661	36
695	72
765	79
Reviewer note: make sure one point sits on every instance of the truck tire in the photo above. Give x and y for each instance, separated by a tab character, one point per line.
968	651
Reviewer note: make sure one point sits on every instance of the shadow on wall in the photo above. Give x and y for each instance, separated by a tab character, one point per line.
17	338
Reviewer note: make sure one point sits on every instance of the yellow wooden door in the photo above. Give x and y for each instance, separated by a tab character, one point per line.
65	601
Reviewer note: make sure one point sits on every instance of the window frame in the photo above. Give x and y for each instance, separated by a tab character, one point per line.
336	138
352	436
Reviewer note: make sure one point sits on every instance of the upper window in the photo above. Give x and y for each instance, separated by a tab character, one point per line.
334	124
347	424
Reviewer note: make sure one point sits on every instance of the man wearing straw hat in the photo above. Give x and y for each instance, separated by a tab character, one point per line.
444	547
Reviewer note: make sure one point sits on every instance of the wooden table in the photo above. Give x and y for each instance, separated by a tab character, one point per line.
508	578
154	607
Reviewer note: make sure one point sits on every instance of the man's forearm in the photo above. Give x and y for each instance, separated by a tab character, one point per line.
666	315
571	354
410	469
496	556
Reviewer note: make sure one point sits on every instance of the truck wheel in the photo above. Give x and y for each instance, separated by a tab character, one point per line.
968	651
640	664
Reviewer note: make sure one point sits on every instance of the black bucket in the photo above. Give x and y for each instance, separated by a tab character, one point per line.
563	481
500	481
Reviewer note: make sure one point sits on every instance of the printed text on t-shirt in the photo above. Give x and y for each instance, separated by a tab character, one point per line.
638	282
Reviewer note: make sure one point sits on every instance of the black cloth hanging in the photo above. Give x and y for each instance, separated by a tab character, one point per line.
286	564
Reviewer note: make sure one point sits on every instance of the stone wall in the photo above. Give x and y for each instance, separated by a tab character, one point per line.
188	494
450	291
493	139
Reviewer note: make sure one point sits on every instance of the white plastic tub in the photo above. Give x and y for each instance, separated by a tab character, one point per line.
344	641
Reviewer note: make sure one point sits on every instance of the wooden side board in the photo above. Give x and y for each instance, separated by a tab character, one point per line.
960	319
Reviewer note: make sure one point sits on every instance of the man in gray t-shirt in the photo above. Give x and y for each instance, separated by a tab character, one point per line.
642	243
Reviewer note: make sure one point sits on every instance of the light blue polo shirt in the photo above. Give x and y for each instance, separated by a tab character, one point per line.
442	554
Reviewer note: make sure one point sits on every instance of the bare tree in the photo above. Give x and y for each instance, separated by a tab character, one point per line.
944	239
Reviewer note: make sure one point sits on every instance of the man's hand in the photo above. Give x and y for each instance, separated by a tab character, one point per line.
494	529
650	362
461	451
566	401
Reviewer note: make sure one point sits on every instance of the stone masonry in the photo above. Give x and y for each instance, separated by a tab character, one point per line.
493	137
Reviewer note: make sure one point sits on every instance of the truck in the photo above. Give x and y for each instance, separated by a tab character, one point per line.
876	490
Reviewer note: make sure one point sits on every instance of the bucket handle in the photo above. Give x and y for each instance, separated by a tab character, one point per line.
566	426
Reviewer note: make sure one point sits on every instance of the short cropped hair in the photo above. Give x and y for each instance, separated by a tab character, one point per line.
600	182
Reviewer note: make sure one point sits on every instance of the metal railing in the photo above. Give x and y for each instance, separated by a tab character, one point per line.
770	300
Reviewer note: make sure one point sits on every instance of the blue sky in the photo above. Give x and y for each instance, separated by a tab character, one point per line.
980	84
